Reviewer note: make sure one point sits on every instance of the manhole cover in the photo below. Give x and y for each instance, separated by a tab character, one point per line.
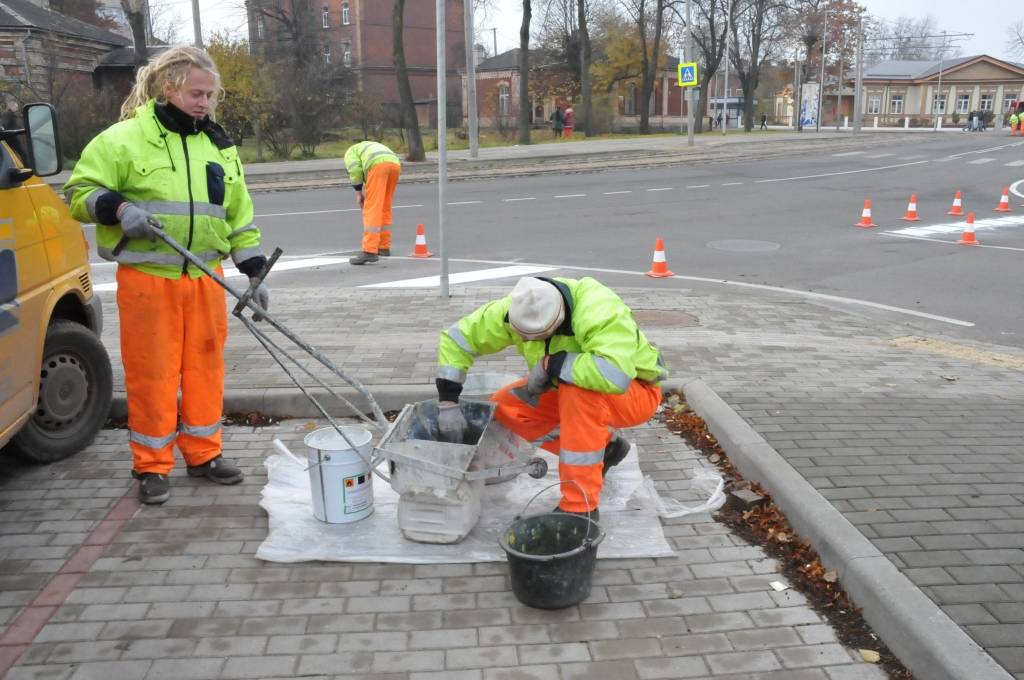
744	245
664	317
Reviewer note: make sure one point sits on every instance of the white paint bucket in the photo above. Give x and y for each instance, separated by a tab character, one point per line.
339	477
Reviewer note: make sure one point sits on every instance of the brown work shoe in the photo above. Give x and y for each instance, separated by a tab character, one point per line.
364	258
218	470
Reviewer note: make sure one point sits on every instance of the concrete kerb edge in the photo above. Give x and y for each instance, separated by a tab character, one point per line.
915	629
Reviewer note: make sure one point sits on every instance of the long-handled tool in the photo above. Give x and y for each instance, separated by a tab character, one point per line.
259	313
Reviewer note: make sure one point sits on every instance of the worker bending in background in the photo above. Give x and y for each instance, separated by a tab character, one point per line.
591	369
373	169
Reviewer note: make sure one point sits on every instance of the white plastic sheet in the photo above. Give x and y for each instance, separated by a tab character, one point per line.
296	536
706	484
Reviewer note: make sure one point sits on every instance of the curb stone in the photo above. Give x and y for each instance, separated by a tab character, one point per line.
924	638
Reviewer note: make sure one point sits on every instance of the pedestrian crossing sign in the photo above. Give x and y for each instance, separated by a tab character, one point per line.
687	74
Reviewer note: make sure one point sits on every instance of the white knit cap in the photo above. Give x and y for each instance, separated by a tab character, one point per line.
537	308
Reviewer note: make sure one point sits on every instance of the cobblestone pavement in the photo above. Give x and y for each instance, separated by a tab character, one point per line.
918	444
178	593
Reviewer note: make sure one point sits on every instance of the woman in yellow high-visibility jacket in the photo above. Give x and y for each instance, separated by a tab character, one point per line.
166	165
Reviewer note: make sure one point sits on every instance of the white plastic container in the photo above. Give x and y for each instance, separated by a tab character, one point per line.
340	479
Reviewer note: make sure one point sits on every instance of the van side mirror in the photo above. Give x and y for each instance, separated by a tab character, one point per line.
41	136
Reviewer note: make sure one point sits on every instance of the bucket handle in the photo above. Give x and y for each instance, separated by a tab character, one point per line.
586	538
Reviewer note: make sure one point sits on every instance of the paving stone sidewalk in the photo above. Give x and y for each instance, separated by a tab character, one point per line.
178	594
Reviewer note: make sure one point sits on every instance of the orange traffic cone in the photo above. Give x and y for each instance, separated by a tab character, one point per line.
659	267
1004	202
421	244
958	205
911	215
968	238
865	216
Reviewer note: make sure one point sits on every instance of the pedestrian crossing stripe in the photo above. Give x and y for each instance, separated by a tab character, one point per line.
958	227
687	74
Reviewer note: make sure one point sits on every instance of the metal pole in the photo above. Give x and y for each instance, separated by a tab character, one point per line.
839	89
858	98
798	95
474	120
725	84
821	82
494	35
442	143
196	25
689	90
935	99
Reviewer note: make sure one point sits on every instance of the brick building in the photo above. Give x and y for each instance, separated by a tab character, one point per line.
358	34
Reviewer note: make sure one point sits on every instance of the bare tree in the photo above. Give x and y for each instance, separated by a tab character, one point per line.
649	18
525	105
709	36
165	22
408	106
909	39
586	93
135	10
757	30
1015	39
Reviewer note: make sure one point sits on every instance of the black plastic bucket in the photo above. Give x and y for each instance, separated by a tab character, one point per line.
551	558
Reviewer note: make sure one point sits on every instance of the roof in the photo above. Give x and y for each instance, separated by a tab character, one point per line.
922	70
22	14
509	61
125	56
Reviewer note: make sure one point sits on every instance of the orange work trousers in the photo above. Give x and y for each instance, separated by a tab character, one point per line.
379	190
172	337
573	423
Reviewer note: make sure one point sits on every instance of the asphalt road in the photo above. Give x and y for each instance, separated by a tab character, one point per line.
787	222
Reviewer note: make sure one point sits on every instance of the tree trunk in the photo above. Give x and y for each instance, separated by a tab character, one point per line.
749	85
525	105
408	108
650	74
586	94
135	10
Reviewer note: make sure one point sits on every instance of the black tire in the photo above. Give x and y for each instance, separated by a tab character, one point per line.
76	386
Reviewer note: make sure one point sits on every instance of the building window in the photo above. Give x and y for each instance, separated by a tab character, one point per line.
346	54
504	101
325	17
260	27
986	102
896	104
963	103
344	14
874	104
939	104
1009	103
327	54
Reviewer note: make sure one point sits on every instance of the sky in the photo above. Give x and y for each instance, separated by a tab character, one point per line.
500	22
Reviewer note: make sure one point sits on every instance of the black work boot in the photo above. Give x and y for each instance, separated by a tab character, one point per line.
217	470
364	258
384	252
614	453
154	488
594	514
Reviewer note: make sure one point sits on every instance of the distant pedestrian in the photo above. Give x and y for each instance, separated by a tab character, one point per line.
764	121
11	120
719	120
557	121
570	121
711	122
373	170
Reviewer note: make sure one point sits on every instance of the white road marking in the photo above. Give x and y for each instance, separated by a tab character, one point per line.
980	161
464	202
465	277
849	153
833	174
230	272
336	210
662	189
571	196
760	286
958	227
1014	164
991	148
698	186
949	243
881	155
613	193
513	200
732	184
1013	188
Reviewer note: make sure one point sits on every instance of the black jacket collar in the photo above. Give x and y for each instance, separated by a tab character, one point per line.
176	120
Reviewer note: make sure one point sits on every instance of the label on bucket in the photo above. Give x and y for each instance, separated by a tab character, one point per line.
357	491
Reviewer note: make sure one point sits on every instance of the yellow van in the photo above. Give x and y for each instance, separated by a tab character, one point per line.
55	377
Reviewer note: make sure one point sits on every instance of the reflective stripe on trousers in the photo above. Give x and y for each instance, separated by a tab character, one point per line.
574	423
172	336
379	190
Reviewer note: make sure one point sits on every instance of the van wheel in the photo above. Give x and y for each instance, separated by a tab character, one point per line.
75	388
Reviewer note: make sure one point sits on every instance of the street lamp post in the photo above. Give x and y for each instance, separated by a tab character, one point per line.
821	81
689	90
442	144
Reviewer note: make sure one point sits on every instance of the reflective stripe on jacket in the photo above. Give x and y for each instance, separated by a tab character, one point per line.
605	347
194	188
362	156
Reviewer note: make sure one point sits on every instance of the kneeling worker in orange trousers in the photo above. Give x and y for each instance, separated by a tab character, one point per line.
591	370
373	169
167	165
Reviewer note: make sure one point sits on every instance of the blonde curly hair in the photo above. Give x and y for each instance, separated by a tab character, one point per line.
168	69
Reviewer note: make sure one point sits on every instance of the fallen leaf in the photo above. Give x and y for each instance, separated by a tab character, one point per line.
830	577
782	537
870	655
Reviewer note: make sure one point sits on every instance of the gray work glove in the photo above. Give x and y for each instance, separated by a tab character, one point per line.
261	296
451	424
538	381
137	223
